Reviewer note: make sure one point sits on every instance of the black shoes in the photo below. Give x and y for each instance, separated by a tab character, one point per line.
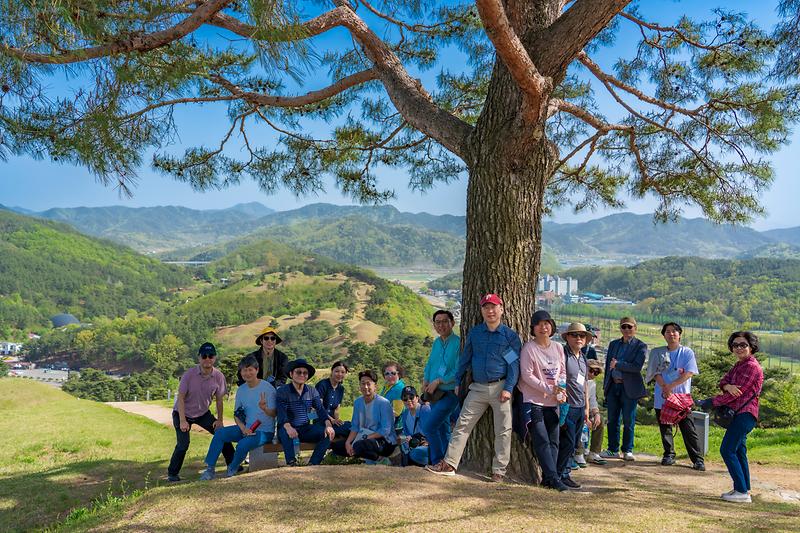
700	466
173	479
667	461
570	483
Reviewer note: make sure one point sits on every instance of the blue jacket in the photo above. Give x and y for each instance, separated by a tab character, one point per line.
630	360
492	355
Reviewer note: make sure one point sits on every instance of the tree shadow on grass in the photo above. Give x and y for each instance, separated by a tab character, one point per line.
38	499
363	498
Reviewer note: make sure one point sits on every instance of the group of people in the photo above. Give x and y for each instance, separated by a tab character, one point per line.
555	384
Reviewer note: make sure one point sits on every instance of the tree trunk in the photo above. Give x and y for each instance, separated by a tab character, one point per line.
509	163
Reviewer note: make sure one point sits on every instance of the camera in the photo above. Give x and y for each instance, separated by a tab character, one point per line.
417	439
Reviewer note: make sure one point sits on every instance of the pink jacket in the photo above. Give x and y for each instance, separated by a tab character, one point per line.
540	370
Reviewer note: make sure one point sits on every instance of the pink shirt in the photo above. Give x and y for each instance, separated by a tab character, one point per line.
540	370
198	390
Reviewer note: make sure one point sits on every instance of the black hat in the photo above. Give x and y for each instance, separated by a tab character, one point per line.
207	349
408	392
300	363
540	315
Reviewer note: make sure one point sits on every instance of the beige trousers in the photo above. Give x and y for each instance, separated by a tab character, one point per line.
479	398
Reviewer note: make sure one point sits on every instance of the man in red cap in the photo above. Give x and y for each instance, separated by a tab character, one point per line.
491	352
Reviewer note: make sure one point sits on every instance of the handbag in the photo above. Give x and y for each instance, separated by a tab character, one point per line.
437	395
676	407
724	414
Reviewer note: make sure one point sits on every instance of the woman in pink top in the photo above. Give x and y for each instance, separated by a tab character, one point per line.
541	369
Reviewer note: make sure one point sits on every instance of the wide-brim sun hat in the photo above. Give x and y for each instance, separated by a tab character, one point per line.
268	329
300	363
594	364
540	315
576	327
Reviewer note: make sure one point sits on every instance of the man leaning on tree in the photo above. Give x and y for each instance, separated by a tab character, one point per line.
491	352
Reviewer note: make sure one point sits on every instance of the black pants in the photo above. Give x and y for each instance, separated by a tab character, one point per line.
544	431
371	449
690	440
206	421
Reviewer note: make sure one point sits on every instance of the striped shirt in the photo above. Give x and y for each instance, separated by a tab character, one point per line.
293	407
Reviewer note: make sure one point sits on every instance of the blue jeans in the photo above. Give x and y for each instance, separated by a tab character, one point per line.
621	409
569	435
734	450
313	433
234	434
436	427
544	434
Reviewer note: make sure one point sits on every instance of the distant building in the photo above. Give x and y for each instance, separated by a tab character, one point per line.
64	319
9	348
558	285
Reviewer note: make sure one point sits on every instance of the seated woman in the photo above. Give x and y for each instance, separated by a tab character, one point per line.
331	391
254	406
372	433
393	388
413	445
294	400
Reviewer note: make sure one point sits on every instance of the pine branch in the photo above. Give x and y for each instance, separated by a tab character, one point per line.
120	45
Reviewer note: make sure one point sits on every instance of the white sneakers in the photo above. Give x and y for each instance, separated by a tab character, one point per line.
629	456
737	497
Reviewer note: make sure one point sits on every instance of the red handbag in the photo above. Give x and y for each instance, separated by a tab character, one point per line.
676	407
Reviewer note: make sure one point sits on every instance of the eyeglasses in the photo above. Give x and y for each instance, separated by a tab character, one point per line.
581	335
301	372
441	322
626	326
407	399
740	345
595	372
269	338
390	373
207	356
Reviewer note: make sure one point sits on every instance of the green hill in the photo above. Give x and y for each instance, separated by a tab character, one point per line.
780	250
639	236
48	268
352	239
159	228
759	293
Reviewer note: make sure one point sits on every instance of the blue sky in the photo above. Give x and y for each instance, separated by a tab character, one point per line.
39	185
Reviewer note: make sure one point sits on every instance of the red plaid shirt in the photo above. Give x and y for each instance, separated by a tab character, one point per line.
748	376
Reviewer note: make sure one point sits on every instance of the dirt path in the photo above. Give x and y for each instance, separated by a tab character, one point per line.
162	415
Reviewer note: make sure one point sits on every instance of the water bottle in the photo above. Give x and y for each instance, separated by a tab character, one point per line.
296	442
585	437
312	416
563	408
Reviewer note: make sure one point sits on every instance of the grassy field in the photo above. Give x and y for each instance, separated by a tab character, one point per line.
60	454
73	465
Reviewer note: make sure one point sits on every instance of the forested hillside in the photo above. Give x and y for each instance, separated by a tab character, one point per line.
761	293
48	268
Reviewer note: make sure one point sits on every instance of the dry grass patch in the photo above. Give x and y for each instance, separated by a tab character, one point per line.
374	498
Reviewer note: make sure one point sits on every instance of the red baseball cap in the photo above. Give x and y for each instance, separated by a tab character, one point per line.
491	298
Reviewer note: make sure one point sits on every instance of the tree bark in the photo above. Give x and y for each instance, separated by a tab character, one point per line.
504	221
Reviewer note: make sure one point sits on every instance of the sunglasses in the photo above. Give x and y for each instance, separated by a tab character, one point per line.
207	356
301	372
407	399
626	326
581	335
740	345
269	338
595	372
390	373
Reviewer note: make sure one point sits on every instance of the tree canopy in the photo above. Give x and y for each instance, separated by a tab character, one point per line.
696	112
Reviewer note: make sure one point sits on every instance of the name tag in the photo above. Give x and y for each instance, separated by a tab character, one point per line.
581	379
510	356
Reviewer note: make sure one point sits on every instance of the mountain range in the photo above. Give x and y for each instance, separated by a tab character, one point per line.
385	236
